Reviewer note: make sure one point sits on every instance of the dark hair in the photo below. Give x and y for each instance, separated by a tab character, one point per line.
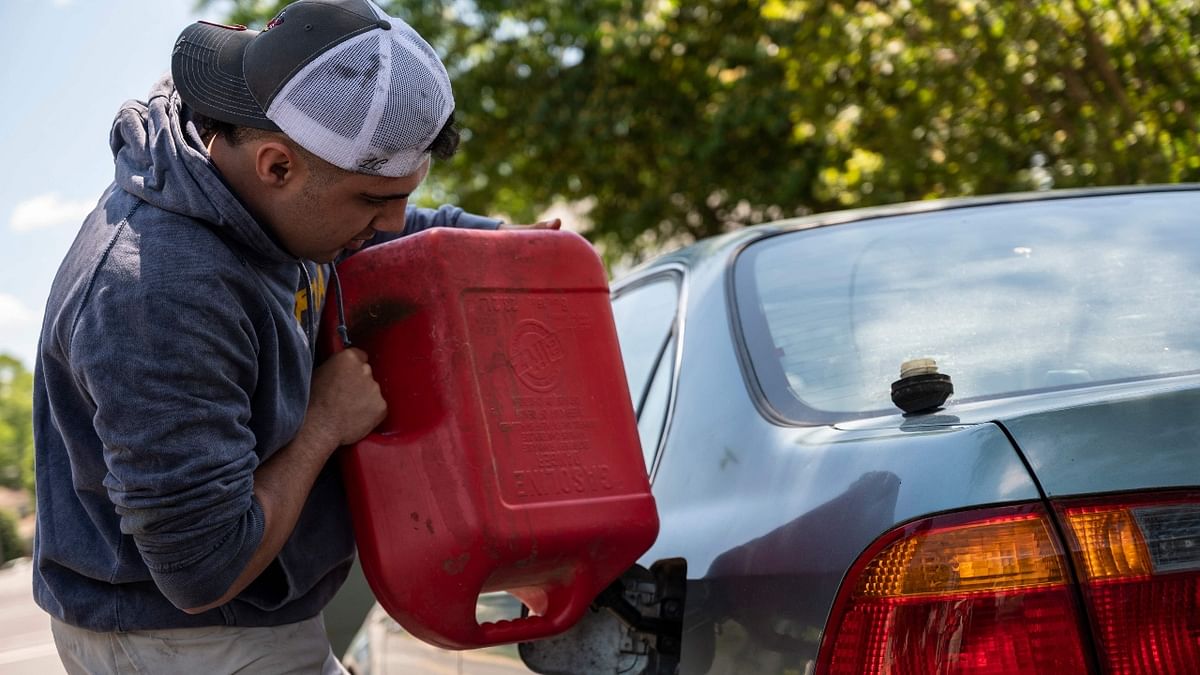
235	135
445	144
210	128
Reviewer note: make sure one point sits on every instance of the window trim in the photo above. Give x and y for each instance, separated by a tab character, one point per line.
679	274
799	415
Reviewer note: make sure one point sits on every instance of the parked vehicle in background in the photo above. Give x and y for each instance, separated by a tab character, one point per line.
1046	519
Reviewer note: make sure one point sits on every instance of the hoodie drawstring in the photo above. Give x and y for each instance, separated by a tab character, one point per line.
310	324
337	287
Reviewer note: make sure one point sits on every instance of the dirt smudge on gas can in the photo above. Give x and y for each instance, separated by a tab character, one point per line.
453	566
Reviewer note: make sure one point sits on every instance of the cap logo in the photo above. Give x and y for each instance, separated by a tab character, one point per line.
275	22
372	164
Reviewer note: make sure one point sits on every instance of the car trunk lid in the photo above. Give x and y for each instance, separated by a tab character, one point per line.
1146	441
1109	438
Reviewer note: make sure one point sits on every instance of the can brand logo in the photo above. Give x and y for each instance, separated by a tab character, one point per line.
536	355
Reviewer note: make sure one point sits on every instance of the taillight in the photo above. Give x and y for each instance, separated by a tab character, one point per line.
982	593
1139	564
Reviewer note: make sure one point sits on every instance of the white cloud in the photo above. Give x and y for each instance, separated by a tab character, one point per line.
13	311
48	210
62	3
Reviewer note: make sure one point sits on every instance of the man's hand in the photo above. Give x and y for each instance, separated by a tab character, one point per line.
553	224
345	403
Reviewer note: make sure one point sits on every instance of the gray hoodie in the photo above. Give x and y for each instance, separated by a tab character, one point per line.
171	364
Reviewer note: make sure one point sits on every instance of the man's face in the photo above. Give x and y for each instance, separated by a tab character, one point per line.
327	215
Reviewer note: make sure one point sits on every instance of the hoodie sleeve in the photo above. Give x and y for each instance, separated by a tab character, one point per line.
417	219
169	359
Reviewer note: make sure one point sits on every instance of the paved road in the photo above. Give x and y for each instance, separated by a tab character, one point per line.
26	647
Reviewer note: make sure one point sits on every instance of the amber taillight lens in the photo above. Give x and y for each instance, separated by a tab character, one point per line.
979	593
1138	559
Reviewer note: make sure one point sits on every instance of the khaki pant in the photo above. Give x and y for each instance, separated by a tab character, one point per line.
300	648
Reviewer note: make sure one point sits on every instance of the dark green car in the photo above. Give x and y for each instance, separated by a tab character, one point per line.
1044	519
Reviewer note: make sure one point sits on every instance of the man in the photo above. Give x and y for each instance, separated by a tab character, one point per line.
187	521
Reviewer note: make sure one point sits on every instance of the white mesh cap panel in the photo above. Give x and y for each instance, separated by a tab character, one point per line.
372	104
413	107
338	92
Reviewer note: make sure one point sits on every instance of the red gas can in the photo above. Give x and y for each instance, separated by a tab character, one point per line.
509	459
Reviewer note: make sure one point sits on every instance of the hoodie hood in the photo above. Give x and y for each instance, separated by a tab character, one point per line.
161	160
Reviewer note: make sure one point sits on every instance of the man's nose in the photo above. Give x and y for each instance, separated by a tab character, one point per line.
392	217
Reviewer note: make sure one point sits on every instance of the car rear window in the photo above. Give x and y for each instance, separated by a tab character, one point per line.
1008	298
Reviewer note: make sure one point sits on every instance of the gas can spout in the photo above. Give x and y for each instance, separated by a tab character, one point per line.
921	388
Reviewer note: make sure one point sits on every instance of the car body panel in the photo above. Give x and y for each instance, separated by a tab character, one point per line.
769	478
768	546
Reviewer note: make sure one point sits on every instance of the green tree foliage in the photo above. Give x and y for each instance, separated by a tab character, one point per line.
16	424
11	544
675	120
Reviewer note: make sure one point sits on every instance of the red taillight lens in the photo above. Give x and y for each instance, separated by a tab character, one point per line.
1139	563
985	593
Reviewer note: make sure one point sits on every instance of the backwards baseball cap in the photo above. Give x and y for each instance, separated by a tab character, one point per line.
350	84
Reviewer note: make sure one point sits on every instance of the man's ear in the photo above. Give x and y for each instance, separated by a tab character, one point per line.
275	164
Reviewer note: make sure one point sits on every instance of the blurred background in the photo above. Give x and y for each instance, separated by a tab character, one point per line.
645	124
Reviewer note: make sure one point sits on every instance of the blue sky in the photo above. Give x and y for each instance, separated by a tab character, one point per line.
68	66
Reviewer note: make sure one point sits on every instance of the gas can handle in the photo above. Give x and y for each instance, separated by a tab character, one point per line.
566	604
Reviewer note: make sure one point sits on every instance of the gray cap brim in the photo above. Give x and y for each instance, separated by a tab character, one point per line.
207	68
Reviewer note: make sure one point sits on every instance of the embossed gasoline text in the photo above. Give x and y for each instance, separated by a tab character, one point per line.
552	431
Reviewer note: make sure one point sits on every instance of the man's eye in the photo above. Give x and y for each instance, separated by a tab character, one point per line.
374	202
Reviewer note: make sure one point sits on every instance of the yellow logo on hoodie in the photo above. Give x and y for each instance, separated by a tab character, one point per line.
302	301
